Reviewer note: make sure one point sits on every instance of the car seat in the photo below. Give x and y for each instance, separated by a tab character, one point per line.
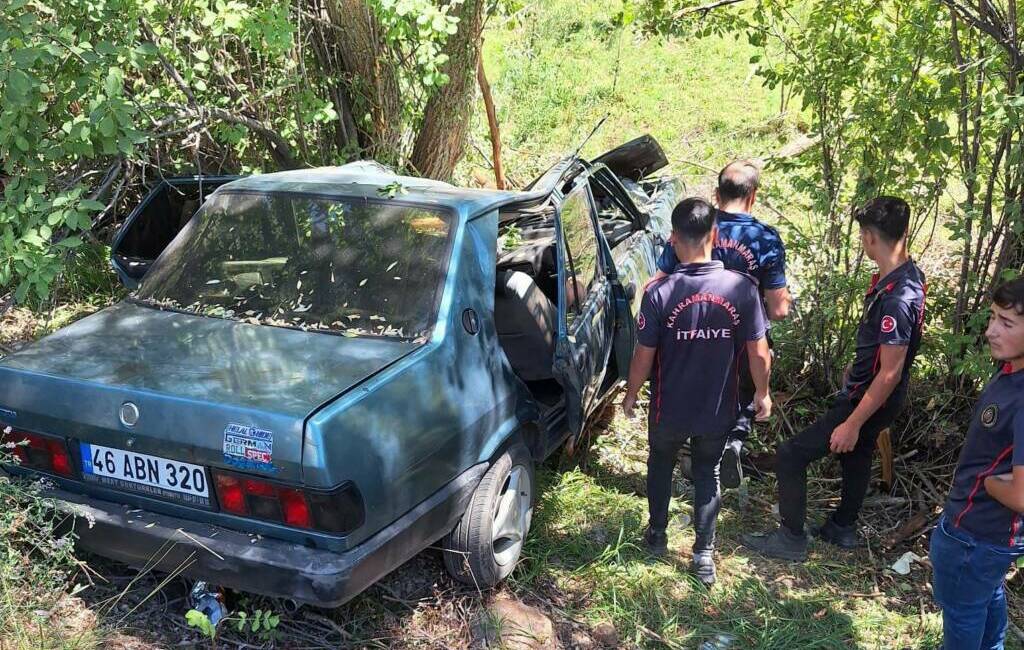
526	321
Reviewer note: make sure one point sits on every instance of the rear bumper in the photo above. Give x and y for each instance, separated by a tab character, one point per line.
262	565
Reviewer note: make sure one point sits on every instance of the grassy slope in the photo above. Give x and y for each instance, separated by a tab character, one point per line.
553	71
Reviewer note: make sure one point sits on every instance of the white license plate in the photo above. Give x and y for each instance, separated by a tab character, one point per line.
143	473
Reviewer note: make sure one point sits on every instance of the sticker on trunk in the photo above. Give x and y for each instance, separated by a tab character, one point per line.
249	448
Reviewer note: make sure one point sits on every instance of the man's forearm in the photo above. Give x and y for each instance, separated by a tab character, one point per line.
639	370
1006	491
760	371
878	392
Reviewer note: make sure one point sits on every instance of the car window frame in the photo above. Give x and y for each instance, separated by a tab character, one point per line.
581	184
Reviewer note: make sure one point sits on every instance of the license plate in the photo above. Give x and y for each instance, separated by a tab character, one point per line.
152	475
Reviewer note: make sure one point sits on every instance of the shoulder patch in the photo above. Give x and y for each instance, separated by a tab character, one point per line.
641	321
990	416
888	325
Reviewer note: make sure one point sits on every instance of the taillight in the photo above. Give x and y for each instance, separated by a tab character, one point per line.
339	511
39	452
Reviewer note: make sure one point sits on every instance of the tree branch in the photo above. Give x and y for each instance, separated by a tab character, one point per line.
705	8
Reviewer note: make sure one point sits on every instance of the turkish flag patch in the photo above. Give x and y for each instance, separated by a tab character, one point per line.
888	324
641	321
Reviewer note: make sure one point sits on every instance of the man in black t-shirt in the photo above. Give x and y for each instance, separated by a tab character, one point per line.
873	390
692	327
981	530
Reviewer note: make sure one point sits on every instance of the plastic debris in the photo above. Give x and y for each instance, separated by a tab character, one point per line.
902	565
720	642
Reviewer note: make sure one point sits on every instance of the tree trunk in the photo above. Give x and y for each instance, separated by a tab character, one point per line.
373	78
442	138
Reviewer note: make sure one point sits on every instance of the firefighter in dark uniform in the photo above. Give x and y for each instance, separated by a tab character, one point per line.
695	327
873	392
981	530
746	245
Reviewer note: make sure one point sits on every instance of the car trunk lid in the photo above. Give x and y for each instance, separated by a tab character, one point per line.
198	383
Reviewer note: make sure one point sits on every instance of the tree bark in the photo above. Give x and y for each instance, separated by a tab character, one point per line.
441	140
373	78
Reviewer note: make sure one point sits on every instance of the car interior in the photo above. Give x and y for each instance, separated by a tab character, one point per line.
526	291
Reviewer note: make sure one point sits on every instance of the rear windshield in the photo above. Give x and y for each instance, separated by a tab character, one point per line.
352	267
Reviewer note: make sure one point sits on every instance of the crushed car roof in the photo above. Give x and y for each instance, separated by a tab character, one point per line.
371	180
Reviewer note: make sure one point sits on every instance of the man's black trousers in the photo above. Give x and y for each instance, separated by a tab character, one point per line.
706	455
811	444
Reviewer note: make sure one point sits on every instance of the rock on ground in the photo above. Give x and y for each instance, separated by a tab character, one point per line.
513	625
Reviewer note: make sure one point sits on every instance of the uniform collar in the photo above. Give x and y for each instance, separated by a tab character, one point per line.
888	283
735	216
699	268
1007	369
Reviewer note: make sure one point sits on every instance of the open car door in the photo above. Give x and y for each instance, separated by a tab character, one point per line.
155	221
586	316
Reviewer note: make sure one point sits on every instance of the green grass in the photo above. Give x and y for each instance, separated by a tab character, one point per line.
558	67
584	548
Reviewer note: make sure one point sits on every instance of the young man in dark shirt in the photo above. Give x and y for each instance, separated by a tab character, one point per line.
981	530
691	330
749	246
873	392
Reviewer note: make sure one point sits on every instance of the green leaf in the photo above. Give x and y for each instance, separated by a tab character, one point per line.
107	126
18	83
90	204
21	143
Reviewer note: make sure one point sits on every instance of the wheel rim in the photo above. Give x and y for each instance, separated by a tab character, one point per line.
512	514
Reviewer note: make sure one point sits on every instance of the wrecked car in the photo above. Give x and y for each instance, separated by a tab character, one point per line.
321	372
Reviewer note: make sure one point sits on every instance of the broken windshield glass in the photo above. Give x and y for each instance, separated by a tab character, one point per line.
349	267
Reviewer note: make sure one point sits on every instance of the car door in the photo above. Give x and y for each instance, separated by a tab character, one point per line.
631	263
155	221
585	311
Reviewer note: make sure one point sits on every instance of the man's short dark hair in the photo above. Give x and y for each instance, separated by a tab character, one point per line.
738	180
693	219
1010	295
888	216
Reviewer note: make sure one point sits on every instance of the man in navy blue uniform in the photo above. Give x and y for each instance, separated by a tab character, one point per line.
746	245
692	327
873	393
980	532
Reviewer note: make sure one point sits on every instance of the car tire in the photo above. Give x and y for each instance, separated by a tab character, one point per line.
485	545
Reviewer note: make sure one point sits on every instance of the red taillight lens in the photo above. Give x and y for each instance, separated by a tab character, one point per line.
262	500
338	511
59	457
40	452
294	509
230	494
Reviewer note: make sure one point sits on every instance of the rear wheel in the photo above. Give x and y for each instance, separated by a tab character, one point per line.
484	547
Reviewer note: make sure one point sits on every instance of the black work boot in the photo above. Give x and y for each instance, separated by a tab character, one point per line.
842	536
779	543
703	567
730	473
655	541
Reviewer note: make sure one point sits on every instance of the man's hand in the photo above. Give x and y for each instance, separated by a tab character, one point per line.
762	407
844	438
628	403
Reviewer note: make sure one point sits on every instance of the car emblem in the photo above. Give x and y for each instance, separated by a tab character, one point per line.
129	414
990	415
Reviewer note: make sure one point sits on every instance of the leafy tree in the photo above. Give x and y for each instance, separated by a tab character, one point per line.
102	96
